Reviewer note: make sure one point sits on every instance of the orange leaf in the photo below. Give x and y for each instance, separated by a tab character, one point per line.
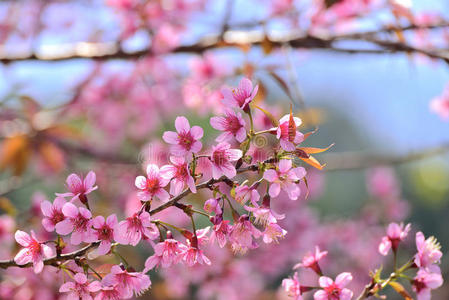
400	290
15	153
291	126
104	269
273	120
51	155
313	162
261	94
313	150
306	135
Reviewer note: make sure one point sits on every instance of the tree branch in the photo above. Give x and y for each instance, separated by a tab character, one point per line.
107	51
53	261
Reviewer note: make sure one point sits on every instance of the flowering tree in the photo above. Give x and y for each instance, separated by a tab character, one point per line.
222	204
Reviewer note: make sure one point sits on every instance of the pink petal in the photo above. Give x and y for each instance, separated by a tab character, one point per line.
89	181
59	203
143	195
228	170
234	154
152	171
176	187
23	257
76	238
168	171
111	220
346	294
228	98
274	190
182	124
98	222
67	287
64	227
47	251
23	238
170	137
325	281
94	286
70	210
141	182
284	119
246	85
74	182
343	279
104	247
320	295
254	93
241	135
218	123
197	132
85	212
38	266
46	208
80	278
162	195
285	165
270	175
48	225
196	146
300	172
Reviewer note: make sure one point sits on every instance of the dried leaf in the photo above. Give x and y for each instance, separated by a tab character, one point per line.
267	45
51	155
307	134
291	126
313	150
400	290
261	94
15	153
273	120
313	162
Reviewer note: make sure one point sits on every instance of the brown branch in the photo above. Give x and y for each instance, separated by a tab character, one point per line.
103	51
53	261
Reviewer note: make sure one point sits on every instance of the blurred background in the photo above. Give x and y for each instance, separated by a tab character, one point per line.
92	85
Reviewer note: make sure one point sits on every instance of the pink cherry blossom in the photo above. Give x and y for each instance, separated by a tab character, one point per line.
241	96
311	260
52	213
241	235
334	290
129	282
33	251
166	253
134	228
79	188
272	233
153	185
289	137
264	214
81	288
440	105
429	251
110	292
78	222
424	282
212	205
220	232
244	193
185	140
192	256
104	231
232	125
221	158
285	178
180	174
292	287
395	234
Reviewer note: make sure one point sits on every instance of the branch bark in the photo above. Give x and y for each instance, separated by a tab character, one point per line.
104	51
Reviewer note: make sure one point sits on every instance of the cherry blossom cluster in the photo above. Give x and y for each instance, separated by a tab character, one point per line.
219	168
424	264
